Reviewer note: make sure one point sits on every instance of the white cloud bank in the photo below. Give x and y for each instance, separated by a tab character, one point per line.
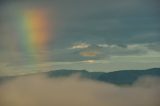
42	91
80	45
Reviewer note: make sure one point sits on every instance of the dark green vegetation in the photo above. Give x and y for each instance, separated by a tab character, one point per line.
122	77
118	77
5	78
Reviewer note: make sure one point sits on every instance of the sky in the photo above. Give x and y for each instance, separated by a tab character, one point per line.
95	35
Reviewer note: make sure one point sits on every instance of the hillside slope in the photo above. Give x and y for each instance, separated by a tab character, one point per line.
117	77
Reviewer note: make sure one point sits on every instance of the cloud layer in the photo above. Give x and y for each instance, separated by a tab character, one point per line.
38	90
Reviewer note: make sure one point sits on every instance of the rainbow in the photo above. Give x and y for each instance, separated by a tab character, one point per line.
33	34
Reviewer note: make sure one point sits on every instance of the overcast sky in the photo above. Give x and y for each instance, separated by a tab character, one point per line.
96	35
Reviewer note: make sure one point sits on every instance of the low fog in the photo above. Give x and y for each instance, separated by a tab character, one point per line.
40	90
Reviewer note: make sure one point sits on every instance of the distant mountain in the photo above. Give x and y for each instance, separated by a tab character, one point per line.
122	77
118	77
5	78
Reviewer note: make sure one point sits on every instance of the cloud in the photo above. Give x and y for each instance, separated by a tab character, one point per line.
39	90
109	50
98	51
88	54
103	20
103	45
154	46
127	50
89	61
80	46
104	26
102	51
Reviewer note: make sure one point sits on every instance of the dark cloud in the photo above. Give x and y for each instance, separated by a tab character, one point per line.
154	46
100	51
112	22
